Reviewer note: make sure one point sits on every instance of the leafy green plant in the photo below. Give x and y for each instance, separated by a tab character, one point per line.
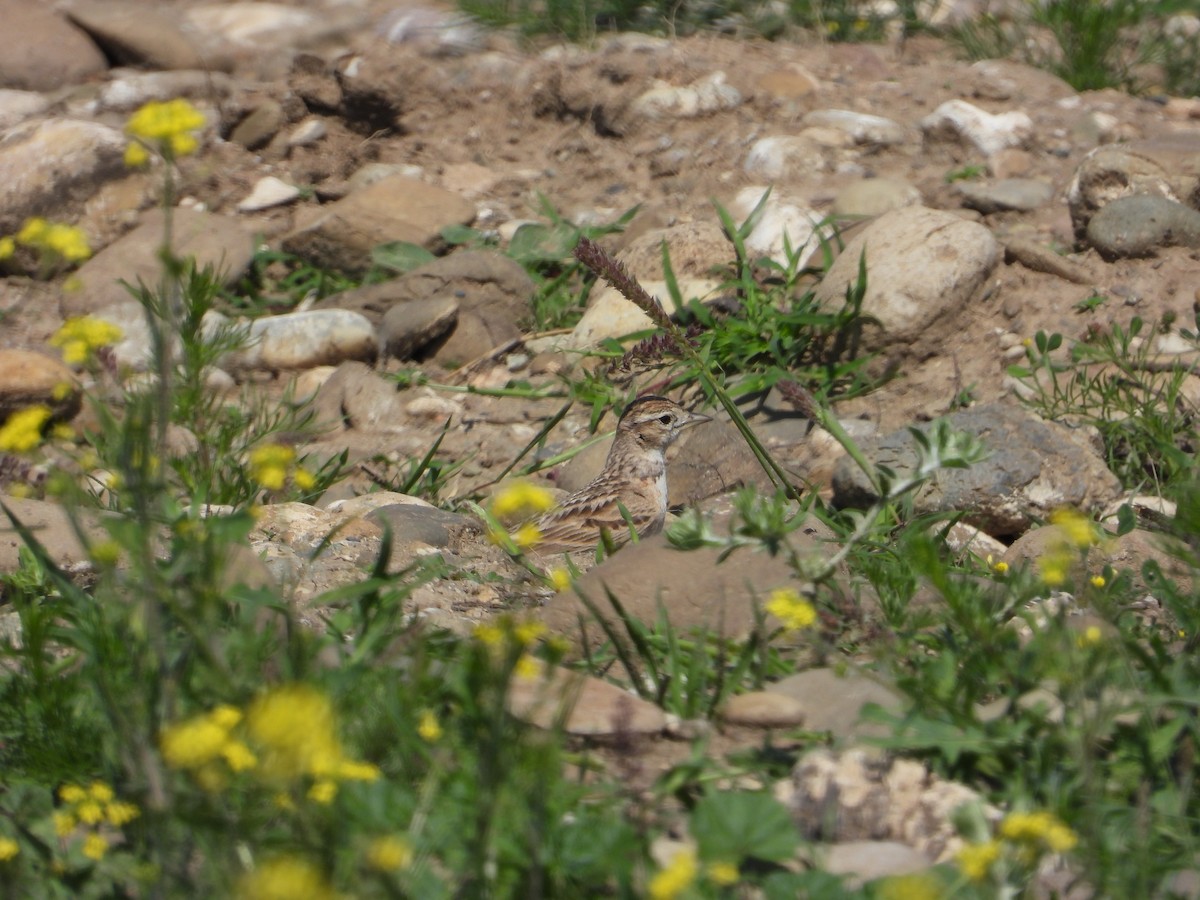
1112	381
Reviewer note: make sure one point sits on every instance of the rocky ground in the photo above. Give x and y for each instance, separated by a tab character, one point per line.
335	128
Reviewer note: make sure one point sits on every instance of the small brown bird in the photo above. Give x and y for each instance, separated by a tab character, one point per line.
634	476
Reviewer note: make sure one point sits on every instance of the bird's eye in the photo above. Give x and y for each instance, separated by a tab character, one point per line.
666	420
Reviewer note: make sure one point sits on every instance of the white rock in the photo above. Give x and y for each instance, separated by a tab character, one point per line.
304	340
781	224
249	23
17	106
610	315
307	132
775	157
704	96
268	192
863	128
131	89
989	133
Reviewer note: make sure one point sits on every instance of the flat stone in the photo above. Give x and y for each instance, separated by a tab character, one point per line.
140	35
303	340
705	96
790	83
1139	225
873	197
130	89
213	240
269	192
833	700
51	166
342	234
45	52
773	158
17	106
585	706
763	709
28	378
409	522
356	396
860	127
986	132
865	861
308	132
1035	467
1041	258
51	526
258	128
409	328
1005	195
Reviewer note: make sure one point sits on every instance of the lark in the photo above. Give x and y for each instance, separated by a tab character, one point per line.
634	477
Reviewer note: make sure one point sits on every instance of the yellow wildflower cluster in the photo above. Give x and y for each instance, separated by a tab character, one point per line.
53	240
22	431
428	726
1040	829
507	630
1075	534
286	878
80	337
271	464
166	127
915	886
559	578
8	849
389	853
975	861
91	808
522	499
292	730
792	610
676	877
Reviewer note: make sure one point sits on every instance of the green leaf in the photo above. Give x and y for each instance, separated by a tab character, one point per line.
400	256
734	826
460	234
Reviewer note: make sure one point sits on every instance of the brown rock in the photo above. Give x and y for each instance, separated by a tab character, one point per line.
763	709
51	52
27	378
140	34
833	700
584	705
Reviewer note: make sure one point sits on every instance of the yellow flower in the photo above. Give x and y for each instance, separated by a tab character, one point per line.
167	125
72	793
489	635
8	247
678	875
78	338
792	610
294	726
23	430
428	727
68	242
287	878
723	874
226	716
305	480
323	792
976	860
917	886
389	853
193	743
1092	635
1098	581
90	812
238	756
1075	527
269	464
1053	567
8	849
33	232
522	498
136	155
63	432
64	823
999	567
95	846
527	535
119	813
350	770
527	668
525	633
1038	828
560	578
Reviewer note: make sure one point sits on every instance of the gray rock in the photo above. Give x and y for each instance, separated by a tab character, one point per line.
211	239
50	166
130	89
872	197
45	51
258	128
303	340
696	588
784	221
54	528
28	378
1141	224
860	127
1166	166
342	234
923	265
713	460
1005	195
702	97
356	396
1034	468
958	119
1041	258
410	327
268	192
308	132
833	700
410	523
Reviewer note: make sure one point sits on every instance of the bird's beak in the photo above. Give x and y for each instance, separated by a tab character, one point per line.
695	419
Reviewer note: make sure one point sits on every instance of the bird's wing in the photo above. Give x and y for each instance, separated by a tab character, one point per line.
577	522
